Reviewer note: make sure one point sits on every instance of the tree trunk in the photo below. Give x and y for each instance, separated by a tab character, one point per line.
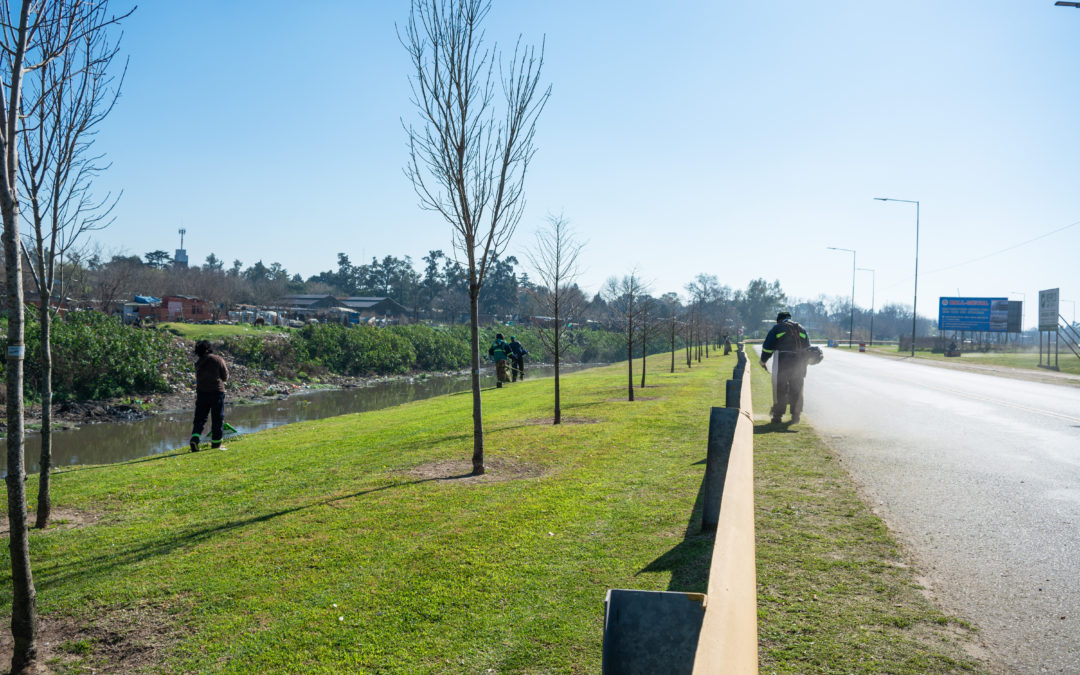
477	411
630	359
44	505
673	345
24	622
644	337
558	404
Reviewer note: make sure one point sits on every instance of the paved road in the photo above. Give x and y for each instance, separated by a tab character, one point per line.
980	476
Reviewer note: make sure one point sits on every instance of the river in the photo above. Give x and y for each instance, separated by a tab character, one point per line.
110	442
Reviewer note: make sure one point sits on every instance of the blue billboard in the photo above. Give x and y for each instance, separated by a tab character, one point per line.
974	314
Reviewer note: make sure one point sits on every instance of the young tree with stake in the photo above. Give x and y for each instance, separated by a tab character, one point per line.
469	158
65	100
555	259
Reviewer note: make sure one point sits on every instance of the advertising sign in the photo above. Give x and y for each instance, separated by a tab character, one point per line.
974	314
1016	316
1048	309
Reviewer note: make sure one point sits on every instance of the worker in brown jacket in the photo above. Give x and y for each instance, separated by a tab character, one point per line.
211	373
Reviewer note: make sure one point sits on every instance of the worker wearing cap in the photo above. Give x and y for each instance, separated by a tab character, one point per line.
789	342
499	351
517	359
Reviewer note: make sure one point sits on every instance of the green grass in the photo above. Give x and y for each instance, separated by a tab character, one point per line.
197	331
1067	361
320	548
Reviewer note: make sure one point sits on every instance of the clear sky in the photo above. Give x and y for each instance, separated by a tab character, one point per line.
739	139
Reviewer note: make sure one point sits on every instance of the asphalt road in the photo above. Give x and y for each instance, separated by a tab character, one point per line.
980	477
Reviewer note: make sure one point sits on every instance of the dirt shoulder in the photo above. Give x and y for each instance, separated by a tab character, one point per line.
1040	375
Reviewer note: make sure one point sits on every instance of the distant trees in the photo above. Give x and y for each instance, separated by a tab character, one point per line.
759	303
469	158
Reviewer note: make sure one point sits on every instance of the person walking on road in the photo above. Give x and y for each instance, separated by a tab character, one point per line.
499	351
517	359
790	344
211	373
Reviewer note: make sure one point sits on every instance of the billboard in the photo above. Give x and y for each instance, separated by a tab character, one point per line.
974	314
1048	309
1016	316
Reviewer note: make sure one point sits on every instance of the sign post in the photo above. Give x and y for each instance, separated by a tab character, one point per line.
1048	322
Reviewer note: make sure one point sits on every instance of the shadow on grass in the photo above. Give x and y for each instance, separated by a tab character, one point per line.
152	458
688	562
95	565
773	428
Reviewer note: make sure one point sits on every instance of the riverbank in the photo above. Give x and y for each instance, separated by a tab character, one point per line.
361	544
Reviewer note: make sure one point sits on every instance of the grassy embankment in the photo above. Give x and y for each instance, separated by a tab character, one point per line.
355	544
1067	361
198	331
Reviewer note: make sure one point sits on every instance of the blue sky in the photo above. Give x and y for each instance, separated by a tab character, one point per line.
739	139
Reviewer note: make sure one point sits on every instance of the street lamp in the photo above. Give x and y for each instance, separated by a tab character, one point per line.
1062	3
851	305
915	298
873	294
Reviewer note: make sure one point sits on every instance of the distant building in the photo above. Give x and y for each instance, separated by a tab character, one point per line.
343	310
168	308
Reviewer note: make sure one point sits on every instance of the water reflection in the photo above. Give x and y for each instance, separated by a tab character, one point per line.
121	441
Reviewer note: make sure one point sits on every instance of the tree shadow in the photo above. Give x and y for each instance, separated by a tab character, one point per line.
92	566
152	458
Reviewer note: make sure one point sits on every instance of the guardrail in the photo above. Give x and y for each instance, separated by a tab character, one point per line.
650	632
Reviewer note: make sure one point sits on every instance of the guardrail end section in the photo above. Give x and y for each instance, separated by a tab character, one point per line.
649	632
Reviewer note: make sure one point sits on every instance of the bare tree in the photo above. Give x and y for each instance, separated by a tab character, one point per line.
648	327
468	160
623	298
65	99
555	260
671	308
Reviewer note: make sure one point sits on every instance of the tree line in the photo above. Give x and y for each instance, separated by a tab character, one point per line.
438	291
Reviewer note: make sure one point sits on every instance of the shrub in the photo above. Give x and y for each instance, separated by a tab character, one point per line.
96	357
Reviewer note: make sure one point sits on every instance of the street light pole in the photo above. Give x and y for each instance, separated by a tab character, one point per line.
915	299
851	305
873	295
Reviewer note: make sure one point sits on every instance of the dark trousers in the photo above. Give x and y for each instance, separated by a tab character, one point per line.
210	403
788	387
517	366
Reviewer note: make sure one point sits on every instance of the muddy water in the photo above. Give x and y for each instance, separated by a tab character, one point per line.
121	441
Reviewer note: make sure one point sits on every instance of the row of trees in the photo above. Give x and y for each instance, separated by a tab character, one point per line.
440	291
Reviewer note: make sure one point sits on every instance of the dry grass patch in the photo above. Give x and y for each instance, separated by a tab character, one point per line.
497	470
61	519
117	640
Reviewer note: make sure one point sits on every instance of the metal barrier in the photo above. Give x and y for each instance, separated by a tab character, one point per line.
651	632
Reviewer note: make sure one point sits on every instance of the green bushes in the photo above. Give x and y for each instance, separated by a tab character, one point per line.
355	350
369	350
443	348
96	357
